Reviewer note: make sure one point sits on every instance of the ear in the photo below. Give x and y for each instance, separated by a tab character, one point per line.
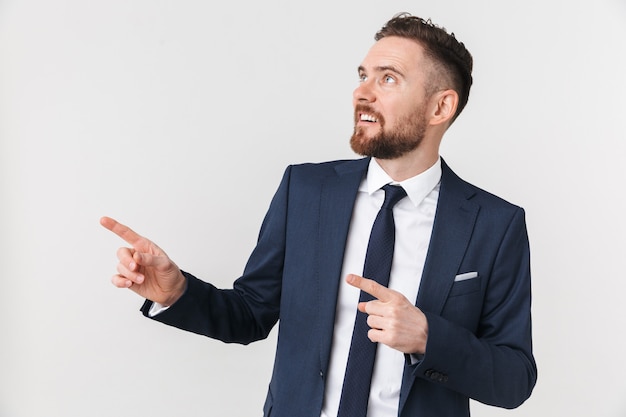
443	105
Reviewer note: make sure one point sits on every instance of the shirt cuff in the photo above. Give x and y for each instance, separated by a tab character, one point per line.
414	358
156	308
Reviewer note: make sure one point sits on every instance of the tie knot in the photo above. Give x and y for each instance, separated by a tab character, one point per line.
393	194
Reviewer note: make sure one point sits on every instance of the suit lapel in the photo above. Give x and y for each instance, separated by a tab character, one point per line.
337	197
452	229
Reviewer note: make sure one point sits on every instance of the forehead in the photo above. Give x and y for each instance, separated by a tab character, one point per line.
406	55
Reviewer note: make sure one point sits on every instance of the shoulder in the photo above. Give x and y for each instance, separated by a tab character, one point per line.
455	187
320	170
339	166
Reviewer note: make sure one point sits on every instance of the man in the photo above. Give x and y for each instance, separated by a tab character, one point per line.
452	321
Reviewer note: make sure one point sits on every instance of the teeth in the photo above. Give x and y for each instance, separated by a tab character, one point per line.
368	118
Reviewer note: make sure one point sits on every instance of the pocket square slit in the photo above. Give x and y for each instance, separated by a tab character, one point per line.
465	276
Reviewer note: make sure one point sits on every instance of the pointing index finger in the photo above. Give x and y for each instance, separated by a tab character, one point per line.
370	286
121	230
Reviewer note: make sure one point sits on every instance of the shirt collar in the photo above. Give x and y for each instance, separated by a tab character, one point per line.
417	187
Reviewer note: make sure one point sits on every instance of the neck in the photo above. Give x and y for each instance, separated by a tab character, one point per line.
408	165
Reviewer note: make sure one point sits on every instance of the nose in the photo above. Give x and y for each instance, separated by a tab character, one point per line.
364	93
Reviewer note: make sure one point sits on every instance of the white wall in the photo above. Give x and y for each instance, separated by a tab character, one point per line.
169	115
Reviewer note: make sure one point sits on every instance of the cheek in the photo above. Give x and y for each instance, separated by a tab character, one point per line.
403	110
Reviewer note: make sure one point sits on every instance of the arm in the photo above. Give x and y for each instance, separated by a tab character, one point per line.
242	314
493	364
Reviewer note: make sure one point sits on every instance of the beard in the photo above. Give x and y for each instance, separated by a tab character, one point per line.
391	144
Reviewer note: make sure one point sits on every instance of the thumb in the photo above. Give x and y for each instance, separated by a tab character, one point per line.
161	262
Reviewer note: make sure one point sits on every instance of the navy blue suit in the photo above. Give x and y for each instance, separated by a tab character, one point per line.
479	340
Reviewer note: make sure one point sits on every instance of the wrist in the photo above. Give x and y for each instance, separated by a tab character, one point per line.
177	291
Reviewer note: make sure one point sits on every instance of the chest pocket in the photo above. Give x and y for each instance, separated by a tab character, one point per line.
464	303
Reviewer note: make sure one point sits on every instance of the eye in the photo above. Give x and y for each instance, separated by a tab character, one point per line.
388	79
362	78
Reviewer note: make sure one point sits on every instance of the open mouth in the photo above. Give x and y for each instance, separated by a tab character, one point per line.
364	117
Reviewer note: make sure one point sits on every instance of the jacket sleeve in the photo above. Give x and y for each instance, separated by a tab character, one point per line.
493	364
249	310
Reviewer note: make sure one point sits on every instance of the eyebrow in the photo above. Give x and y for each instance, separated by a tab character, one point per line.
382	68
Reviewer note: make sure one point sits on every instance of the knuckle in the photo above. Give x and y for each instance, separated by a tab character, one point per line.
394	313
117	280
396	297
140	258
372	286
371	335
123	253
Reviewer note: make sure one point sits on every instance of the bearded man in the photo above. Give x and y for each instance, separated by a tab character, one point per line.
401	289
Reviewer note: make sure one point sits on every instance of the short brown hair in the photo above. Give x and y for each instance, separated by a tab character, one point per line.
449	56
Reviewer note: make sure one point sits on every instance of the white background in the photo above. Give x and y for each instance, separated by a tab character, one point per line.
178	118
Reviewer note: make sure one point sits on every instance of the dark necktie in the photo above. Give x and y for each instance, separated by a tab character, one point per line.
356	383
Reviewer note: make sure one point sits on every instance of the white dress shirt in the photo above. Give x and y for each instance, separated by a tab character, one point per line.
414	217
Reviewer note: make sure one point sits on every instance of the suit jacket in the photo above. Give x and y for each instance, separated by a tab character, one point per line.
479	339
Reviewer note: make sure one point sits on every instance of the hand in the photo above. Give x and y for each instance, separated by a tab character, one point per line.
393	319
145	268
